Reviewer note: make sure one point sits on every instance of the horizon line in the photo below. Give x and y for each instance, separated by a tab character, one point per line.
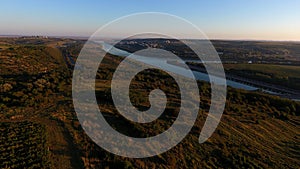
115	38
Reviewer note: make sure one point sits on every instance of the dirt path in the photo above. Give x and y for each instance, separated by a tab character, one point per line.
63	152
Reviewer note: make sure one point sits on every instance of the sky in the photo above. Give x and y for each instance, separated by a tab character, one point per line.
222	19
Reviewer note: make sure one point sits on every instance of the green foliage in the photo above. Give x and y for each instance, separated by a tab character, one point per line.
23	145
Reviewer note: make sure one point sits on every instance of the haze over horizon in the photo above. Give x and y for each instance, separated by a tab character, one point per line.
243	20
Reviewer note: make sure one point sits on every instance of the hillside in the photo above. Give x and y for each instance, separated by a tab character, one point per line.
256	131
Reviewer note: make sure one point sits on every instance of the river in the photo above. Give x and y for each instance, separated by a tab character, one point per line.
163	64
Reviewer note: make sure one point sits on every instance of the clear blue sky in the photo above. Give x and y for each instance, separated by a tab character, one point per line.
224	19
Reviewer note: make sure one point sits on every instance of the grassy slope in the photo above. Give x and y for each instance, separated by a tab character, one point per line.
285	75
39	79
276	70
